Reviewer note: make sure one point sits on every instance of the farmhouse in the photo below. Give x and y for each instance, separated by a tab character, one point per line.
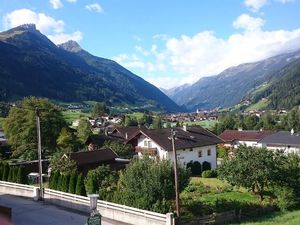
235	138
191	144
282	140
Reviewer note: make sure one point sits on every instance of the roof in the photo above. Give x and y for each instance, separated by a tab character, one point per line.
282	138
99	139
192	137
122	132
244	135
90	157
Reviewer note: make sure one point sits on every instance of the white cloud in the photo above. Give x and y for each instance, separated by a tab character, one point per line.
163	37
72	1
56	4
64	37
54	29
255	5
94	7
248	23
186	59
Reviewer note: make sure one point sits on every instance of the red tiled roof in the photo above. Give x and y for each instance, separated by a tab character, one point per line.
244	135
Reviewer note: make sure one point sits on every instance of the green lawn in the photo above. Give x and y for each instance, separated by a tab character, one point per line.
209	124
288	218
211	182
71	115
262	104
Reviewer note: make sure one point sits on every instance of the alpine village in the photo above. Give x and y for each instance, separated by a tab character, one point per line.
207	133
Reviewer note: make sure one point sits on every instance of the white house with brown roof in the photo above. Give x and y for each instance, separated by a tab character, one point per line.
235	138
191	144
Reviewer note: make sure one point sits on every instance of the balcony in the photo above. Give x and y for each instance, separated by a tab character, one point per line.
146	150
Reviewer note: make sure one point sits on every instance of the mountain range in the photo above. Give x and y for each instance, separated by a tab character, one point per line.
30	64
274	80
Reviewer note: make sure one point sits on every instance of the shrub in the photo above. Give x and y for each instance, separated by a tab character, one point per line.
72	183
209	174
196	168
5	172
206	166
22	176
53	182
80	190
285	198
65	183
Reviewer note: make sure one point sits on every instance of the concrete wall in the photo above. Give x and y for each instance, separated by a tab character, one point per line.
108	210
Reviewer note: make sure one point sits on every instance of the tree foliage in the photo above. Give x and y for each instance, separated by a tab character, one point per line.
99	109
253	168
80	189
123	150
103	181
84	130
149	184
20	127
62	164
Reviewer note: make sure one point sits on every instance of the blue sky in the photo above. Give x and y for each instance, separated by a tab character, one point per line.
166	42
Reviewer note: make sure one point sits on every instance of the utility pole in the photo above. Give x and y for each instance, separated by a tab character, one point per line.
173	134
38	126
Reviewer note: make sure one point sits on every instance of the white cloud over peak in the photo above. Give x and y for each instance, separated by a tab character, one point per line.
52	28
94	7
56	4
248	23
186	59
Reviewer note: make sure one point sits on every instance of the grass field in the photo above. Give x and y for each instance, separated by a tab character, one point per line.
71	115
288	218
262	104
209	124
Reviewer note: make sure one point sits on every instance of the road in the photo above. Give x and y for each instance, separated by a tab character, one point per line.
28	212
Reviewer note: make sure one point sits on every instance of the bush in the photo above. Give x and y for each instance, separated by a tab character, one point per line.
80	190
195	167
53	182
206	166
209	174
72	183
285	198
5	172
22	176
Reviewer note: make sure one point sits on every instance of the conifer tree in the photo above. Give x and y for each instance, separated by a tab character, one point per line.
72	183
80	189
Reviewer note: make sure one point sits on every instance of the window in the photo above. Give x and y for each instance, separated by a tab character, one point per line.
208	152
149	144
191	149
200	154
145	143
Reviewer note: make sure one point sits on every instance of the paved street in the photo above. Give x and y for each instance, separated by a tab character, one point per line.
29	212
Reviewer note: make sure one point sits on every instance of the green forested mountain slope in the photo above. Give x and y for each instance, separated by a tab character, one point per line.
30	64
283	90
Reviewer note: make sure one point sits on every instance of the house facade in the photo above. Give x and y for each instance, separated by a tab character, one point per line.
287	141
234	138
191	144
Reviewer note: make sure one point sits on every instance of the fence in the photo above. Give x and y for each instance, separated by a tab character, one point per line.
108	210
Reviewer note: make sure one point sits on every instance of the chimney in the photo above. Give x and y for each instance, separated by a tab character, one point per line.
261	129
292	131
126	136
240	129
184	128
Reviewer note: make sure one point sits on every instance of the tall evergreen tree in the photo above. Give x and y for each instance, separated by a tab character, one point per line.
80	189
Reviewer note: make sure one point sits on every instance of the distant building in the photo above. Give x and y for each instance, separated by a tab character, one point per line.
283	140
191	144
235	138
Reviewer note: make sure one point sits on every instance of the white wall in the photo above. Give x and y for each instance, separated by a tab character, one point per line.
291	149
184	156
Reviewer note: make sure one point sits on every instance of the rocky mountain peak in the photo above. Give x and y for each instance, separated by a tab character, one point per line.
70	46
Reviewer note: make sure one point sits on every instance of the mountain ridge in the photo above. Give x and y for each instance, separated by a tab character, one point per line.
33	65
230	86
